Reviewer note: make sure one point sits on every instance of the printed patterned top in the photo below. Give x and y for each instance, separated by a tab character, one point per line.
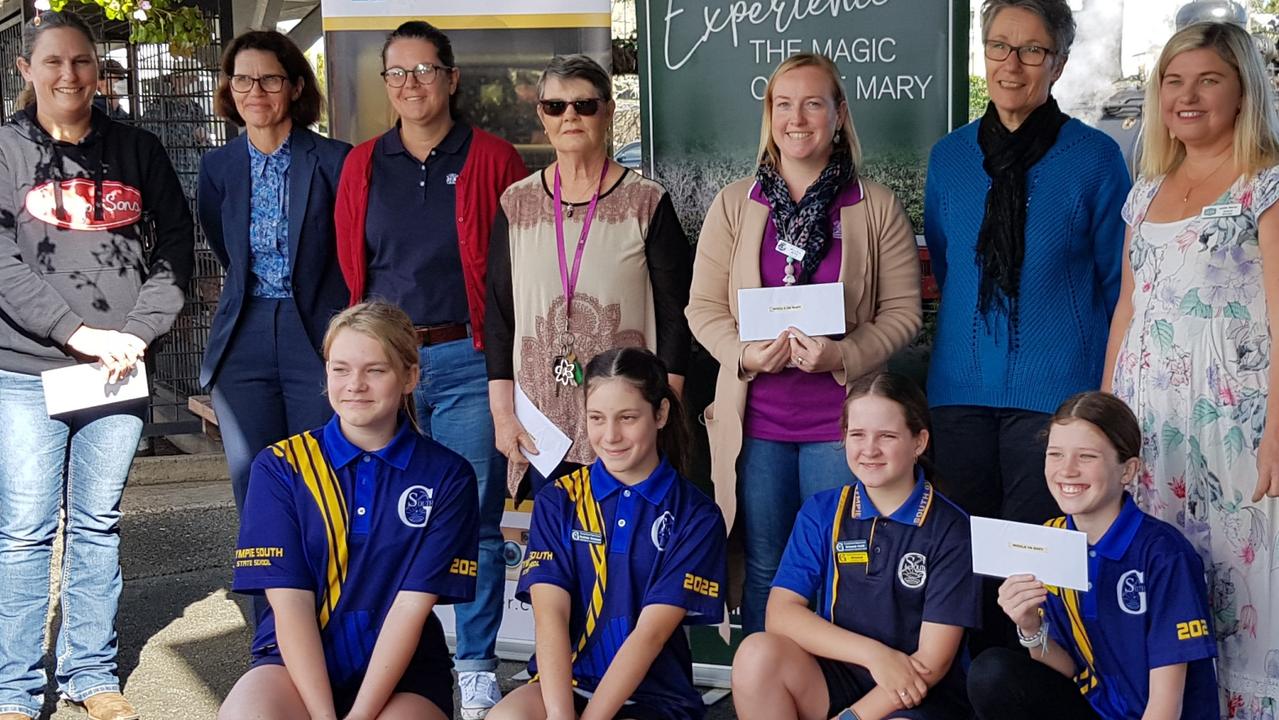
269	222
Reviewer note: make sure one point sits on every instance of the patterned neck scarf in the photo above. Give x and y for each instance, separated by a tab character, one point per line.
805	224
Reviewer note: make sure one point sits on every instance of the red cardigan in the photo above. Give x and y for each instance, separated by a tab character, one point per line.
492	165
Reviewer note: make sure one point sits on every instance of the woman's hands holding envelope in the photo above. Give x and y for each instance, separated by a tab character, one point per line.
767	357
813	354
1020	598
117	351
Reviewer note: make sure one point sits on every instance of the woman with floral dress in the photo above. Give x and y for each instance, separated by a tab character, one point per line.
1190	339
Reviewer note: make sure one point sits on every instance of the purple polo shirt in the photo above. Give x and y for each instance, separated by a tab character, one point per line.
792	405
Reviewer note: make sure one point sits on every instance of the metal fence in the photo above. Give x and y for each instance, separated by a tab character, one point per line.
173	98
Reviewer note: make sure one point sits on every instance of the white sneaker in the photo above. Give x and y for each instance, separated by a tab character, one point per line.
479	693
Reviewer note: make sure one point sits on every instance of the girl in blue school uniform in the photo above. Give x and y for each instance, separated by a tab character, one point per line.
886	562
1139	644
621	554
355	531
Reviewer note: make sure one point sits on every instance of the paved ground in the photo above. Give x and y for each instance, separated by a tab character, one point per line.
183	638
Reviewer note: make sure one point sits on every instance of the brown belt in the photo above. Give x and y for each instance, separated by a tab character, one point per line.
436	334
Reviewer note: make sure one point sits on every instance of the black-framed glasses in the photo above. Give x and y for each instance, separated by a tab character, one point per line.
1031	55
585	108
424	72
268	83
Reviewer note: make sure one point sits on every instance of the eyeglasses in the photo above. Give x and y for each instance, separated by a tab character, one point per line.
268	83
424	72
585	108
1030	55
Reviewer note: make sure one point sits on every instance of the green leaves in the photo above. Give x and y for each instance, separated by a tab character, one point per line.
1205	412
155	21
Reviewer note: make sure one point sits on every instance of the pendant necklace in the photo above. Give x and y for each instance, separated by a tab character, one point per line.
1196	185
566	370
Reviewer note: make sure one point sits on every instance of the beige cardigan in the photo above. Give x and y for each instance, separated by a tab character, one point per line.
880	272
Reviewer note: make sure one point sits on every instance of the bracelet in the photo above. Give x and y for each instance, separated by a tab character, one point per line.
847	714
1038	640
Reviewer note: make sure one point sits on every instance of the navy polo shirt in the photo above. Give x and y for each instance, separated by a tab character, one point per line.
882	576
1147	608
411	228
356	528
617	549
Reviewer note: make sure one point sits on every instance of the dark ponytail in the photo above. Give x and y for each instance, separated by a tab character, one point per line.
648	374
906	393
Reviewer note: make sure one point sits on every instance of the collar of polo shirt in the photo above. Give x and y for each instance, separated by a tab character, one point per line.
1115	542
653	488
912	512
340	451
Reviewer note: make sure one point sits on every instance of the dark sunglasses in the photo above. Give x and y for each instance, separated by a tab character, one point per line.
556	108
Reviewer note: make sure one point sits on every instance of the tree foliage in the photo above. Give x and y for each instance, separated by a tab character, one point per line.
184	28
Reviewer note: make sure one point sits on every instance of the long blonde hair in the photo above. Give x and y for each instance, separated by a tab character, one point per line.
391	327
768	151
1256	142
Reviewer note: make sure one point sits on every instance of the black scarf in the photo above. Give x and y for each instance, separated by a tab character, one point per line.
1001	242
805	224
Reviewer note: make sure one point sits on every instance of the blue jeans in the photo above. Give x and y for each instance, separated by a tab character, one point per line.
453	408
87	457
773	481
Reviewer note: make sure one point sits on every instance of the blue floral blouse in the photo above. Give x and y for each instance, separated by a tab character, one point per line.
269	222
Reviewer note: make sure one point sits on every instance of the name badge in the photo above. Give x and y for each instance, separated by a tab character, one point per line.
1221	211
851	552
591	538
794	252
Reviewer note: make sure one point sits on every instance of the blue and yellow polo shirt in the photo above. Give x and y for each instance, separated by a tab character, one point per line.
882	576
1147	608
617	549
356	528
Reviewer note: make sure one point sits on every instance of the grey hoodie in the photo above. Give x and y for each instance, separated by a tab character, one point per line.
93	233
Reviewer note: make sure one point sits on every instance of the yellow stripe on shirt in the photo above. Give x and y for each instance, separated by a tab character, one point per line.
305	457
834	540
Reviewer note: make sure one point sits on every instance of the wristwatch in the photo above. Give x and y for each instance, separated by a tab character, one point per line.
847	714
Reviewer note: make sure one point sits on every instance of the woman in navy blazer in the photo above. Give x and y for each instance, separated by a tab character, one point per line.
266	206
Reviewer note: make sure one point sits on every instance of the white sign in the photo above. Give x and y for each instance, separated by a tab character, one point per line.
1055	556
81	387
813	309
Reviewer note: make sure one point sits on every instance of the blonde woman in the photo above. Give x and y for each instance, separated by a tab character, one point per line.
1190	340
775	422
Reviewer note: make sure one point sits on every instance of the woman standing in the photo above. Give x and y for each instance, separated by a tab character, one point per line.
1190	342
414	213
1028	266
77	284
266	206
806	217
602	263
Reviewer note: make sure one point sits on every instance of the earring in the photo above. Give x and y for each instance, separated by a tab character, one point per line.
838	138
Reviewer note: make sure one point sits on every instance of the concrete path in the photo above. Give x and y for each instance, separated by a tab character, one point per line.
183	637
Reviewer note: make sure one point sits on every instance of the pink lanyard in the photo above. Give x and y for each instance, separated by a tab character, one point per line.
569	281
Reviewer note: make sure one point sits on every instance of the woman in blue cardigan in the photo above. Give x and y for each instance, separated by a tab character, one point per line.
266	206
1028	263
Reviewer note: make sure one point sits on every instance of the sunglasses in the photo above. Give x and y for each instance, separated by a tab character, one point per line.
556	108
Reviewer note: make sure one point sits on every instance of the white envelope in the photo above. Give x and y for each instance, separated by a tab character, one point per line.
763	313
552	444
1055	556
81	387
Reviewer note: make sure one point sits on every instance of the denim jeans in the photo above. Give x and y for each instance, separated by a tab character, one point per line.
453	408
86	457
773	481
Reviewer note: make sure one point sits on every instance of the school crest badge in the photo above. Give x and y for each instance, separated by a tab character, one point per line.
1131	590
415	505
661	531
912	570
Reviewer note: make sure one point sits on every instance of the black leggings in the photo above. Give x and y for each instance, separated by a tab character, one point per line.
1005	684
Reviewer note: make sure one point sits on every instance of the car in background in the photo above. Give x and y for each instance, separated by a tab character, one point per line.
631	156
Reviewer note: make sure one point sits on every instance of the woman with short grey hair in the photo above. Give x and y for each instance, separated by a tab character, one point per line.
603	263
1028	264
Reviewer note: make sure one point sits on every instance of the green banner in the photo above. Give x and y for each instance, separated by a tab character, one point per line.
704	65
